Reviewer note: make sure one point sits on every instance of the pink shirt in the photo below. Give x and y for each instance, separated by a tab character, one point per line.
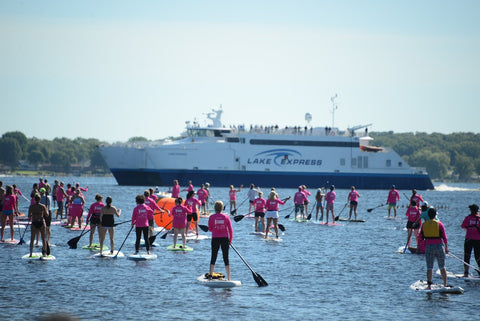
330	197
300	198
202	195
353	196
95	209
471	224
393	196
141	214
151	203
175	191
220	226
233	194
60	193
413	213
192	202
179	213
273	205
9	202
259	205
417	198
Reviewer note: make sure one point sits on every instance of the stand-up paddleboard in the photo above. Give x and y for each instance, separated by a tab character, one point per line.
344	219
180	247
272	238
460	276
142	257
108	255
192	236
76	228
329	224
142	243
217	281
95	247
392	218
40	244
421	285
299	220
10	241
408	250
38	256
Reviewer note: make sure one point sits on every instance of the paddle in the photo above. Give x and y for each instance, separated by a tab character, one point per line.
257	277
21	238
203	227
235	210
408	240
73	242
371	209
469	265
337	217
133	225
288	216
238	218
164	236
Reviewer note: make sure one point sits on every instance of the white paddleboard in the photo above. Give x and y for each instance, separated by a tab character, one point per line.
9	241
421	285
38	256
272	239
142	257
108	255
470	277
218	283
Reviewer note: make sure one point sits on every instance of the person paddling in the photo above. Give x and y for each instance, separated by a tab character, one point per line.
37	213
222	234
94	216
353	199
393	198
107	223
471	224
140	216
179	213
272	212
330	199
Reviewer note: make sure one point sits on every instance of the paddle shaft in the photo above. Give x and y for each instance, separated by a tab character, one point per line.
344	207
133	225
467	264
257	277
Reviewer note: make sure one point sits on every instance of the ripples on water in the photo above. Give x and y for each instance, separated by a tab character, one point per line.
348	272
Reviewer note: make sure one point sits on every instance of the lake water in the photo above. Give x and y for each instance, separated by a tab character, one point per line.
346	272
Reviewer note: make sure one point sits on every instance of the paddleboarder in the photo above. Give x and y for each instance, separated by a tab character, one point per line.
252	195
471	224
194	205
94	217
319	199
272	212
9	208
299	199
259	205
141	214
107	223
393	198
179	213
222	233
433	232
413	215
330	199
175	189
353	199
37	213
232	193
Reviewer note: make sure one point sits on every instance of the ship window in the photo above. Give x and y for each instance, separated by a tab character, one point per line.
400	164
242	140
342	161
389	163
354	162
233	140
359	162
365	161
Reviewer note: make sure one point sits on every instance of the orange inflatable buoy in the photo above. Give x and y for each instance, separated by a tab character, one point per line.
162	219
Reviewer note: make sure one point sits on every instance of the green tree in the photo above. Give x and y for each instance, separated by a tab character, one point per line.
464	167
36	157
10	151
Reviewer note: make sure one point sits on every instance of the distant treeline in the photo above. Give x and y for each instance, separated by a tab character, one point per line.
445	156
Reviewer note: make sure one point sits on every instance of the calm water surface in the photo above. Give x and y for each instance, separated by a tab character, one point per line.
347	272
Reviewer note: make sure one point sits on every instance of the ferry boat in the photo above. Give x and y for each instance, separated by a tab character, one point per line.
267	156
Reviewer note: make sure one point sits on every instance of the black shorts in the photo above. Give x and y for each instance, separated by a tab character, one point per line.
259	214
413	225
94	220
193	216
38	224
353	203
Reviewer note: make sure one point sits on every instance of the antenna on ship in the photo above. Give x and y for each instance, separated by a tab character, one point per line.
334	107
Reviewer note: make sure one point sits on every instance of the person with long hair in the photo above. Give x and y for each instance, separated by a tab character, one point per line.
272	212
37	214
94	217
222	234
9	208
471	224
107	223
141	214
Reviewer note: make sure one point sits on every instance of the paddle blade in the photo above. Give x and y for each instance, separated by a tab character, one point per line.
164	236
336	218
233	212
203	228
369	210
73	242
309	217
238	218
281	227
21	241
258	278
151	239
287	216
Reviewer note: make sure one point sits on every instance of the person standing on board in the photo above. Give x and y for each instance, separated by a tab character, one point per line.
299	200
194	205
259	205
307	194
189	188
471	224
272	212
416	197
140	216
353	199
56	184
9	208
107	223
202	194
319	199
94	217
175	189
393	198
179	223
222	234
232	193
433	232
413	215
207	188
75	209
37	213
330	199
61	196
153	205
252	193
48	220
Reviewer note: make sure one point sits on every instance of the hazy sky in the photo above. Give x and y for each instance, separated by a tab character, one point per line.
116	69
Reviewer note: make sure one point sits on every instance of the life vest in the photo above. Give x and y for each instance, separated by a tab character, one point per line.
431	229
